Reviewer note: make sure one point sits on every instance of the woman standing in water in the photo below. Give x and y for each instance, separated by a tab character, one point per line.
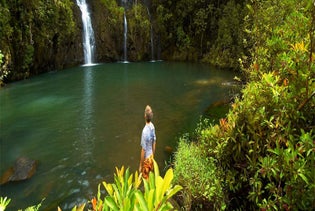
148	141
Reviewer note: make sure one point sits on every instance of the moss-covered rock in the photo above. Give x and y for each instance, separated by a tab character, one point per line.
107	20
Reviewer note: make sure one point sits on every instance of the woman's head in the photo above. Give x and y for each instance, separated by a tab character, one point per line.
148	114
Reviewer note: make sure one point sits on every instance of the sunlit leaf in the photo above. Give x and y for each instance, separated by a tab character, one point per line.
156	169
108	188
80	207
167	180
159	185
151	199
117	195
141	200
111	203
173	191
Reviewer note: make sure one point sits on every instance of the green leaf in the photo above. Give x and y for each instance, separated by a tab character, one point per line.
137	181
152	179
159	185
108	188
166	206
117	195
80	208
4	201
98	192
173	191
250	8
141	200
167	181
146	185
303	177
111	203
151	199
156	169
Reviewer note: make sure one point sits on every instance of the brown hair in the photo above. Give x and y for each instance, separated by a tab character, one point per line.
148	114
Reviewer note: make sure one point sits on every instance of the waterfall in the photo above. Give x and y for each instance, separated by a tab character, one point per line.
125	37
88	34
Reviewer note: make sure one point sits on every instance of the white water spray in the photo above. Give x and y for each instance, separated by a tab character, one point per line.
88	33
125	37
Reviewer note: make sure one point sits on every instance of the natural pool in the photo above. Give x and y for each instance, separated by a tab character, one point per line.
82	122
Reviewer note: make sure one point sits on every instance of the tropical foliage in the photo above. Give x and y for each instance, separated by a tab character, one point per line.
139	30
265	146
29	29
114	17
208	31
4	202
125	193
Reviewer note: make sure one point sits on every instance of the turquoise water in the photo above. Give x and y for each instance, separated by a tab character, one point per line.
82	122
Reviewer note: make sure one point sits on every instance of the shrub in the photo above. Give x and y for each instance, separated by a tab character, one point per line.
199	176
265	146
269	148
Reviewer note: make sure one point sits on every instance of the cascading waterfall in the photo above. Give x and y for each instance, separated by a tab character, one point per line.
88	33
125	37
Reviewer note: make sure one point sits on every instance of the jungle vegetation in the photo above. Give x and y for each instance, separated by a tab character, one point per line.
262	154
29	29
209	31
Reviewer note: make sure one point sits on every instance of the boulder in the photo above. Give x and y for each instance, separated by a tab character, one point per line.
23	168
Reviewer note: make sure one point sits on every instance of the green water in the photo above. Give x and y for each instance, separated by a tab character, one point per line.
82	122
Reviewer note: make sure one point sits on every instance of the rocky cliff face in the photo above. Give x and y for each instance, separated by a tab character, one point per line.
62	50
108	26
108	32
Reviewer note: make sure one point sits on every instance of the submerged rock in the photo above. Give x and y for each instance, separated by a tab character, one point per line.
24	168
217	110
168	149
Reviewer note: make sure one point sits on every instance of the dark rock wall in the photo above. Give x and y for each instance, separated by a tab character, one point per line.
108	37
61	51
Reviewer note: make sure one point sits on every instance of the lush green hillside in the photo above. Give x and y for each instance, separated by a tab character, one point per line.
33	36
209	31
262	155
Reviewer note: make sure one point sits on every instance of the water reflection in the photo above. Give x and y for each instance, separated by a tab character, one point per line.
84	144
